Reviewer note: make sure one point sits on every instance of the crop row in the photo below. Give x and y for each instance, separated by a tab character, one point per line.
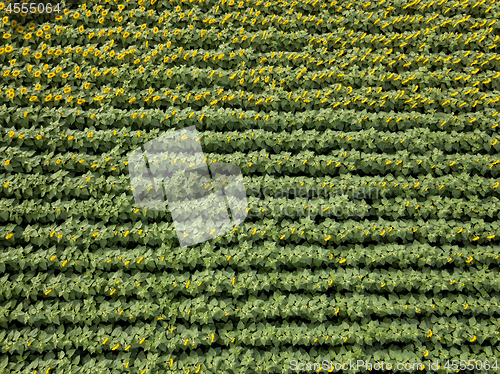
319	21
144	285
101	338
33	186
337	83
414	140
207	309
325	85
242	103
86	233
251	360
283	205
104	66
44	122
261	254
337	162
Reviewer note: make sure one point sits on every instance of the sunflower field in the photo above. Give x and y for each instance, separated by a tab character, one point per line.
367	136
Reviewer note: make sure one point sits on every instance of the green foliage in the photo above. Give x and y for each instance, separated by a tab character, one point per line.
367	136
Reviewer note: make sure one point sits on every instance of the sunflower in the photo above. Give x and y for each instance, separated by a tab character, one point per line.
39	33
27	36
